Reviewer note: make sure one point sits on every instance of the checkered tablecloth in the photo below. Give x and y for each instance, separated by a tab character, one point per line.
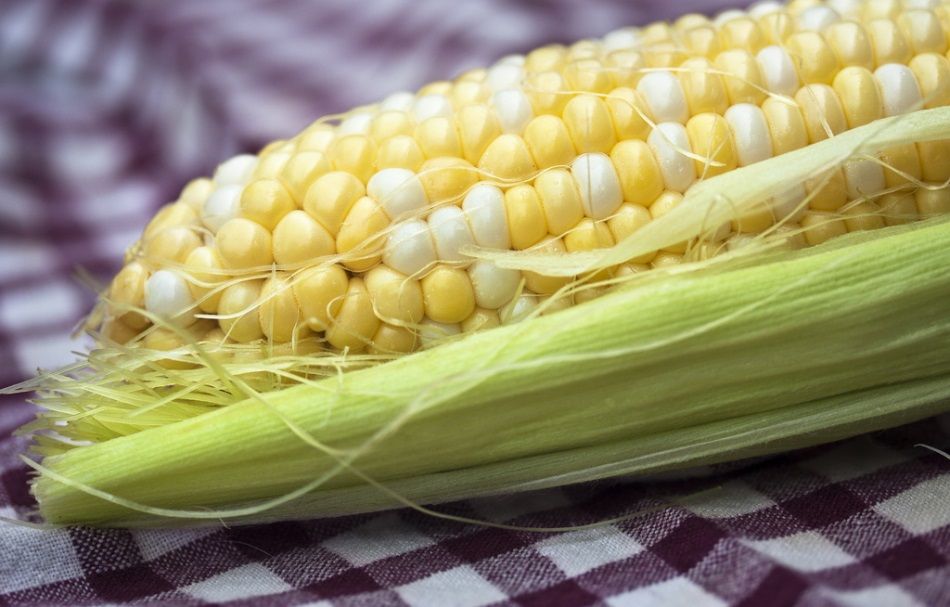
107	108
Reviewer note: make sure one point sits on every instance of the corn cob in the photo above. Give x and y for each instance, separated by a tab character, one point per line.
356	236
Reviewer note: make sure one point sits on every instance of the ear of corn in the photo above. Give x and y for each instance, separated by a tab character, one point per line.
669	174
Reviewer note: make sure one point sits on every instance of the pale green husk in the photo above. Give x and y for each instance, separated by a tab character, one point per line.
725	361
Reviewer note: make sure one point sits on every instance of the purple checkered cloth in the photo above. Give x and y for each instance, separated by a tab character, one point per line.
106	109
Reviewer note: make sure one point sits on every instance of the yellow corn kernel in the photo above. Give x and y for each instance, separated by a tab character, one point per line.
702	41
547	93
934	160
743	77
170	216
447	179
898	208
560	200
587	75
820	227
625	67
901	160
629	114
437	136
881	9
711	138
480	320
704	89
244	244
299	238
546	58
850	44
546	285
626	221
270	165
888	42
317	138
330	198
777	26
665	259
666	202
128	290
813	57
742	33
525	215
439	87
266	201
400	152
588	235
859	95
478	127
170	245
390	339
864	215
508	158
639	172
549	142
278	312
355	324
821	110
389	124
933	201
355	154
238	311
360	239
588	121
302	170
786	126
204	265
448	294
470	93
196	192
319	292
396	297
827	192
922	31
933	76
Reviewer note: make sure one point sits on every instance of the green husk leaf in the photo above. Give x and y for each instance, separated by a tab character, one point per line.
684	369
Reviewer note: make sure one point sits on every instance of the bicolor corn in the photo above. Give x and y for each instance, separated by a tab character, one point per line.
355	234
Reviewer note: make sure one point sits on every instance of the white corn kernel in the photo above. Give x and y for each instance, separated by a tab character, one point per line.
598	183
622	39
668	142
513	109
222	205
357	124
450	233
235	171
409	248
401	102
484	207
504	76
432	332
430	106
899	89
817	18
494	286
750	131
398	191
167	296
863	178
778	70
664	96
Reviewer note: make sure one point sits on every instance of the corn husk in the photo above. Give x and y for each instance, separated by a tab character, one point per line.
742	356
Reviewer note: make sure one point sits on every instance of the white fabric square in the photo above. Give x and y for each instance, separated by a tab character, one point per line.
890	595
577	552
156	542
382	537
678	592
806	551
46	352
239	583
31	258
921	508
732	499
31	557
459	587
53	302
852	459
